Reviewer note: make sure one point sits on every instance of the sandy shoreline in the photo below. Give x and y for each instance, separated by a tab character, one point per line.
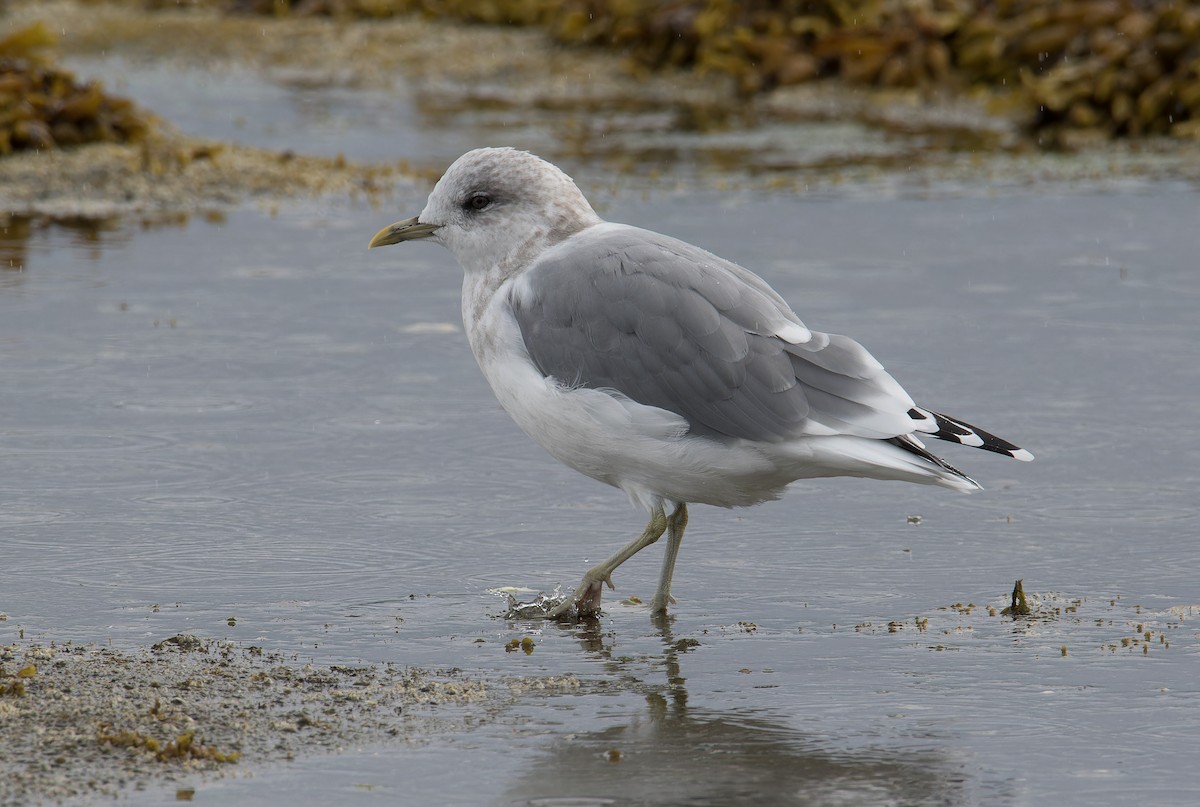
80	721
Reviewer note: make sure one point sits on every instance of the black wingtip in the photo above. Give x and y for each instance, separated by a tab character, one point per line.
944	427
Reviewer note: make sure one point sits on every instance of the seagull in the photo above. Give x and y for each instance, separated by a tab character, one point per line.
657	367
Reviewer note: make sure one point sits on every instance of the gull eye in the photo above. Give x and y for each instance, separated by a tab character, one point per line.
478	201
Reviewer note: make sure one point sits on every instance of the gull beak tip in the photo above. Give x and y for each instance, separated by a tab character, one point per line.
380	239
405	230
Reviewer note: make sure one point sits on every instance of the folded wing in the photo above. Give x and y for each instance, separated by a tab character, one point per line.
675	327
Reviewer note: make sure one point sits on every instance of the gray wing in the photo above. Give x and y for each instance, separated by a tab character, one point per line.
673	326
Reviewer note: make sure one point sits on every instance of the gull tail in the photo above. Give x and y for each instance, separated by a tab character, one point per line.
944	427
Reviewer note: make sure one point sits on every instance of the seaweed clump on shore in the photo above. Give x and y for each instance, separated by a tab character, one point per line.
43	106
1106	67
1069	70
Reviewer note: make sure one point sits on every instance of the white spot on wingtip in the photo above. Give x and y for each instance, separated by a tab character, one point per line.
794	334
1022	455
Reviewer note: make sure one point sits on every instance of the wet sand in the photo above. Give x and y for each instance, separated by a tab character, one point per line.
87	720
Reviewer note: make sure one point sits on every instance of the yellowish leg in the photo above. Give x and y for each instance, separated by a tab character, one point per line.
586	598
675	527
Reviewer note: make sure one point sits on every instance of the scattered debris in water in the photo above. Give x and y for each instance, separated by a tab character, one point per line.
1020	606
1053	623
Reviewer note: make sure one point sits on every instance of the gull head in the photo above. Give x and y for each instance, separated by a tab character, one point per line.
497	208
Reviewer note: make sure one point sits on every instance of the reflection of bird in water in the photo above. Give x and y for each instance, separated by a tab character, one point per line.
725	758
659	368
671	753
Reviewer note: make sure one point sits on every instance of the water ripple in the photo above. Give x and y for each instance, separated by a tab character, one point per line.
65	439
65	471
13	515
184	404
1089	505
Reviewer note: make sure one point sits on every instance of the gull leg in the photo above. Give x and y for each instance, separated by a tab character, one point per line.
586	598
675	527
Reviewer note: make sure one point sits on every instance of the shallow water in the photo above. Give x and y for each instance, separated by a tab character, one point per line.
252	417
428	124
